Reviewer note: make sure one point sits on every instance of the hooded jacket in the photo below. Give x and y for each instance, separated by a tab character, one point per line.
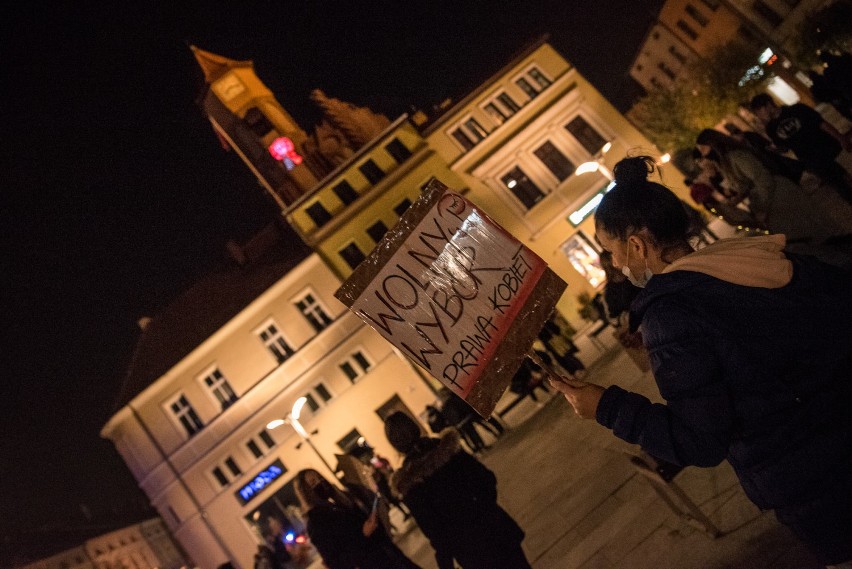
750	348
453	498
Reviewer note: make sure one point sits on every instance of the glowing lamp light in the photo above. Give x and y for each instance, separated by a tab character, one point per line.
605	148
274	424
512	184
297	407
290	537
587	167
283	149
665	158
300	539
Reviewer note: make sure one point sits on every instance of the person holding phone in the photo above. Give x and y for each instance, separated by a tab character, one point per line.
751	348
345	533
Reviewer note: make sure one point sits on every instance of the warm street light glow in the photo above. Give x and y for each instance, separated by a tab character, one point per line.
587	167
274	424
605	148
665	158
297	407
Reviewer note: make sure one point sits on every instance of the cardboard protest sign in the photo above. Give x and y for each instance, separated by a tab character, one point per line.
456	293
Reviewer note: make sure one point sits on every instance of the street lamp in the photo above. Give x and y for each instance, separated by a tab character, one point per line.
292	419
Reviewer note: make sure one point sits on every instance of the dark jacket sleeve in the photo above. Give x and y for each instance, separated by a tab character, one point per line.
337	538
695	424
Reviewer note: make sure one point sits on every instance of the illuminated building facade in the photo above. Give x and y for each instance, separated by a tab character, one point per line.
193	431
146	545
517	141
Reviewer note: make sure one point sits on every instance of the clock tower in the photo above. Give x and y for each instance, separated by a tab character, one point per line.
248	119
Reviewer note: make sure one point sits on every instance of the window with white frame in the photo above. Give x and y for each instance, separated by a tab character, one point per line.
517	182
558	164
313	311
274	341
526	87
585	134
542	80
218	386
469	133
501	107
355	366
226	472
260	445
185	414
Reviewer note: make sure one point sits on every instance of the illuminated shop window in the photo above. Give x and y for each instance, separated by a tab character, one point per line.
185	414
219	387
584	258
313	311
355	366
274	341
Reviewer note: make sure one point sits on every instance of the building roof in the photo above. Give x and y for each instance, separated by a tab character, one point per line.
207	306
214	66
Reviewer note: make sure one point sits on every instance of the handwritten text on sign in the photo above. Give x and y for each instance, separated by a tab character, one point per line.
449	293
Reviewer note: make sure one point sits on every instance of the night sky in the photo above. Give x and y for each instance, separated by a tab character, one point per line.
117	195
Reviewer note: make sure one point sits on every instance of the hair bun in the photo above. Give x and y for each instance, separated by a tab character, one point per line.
632	170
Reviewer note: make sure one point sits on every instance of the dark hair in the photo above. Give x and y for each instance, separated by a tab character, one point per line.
402	431
720	142
636	203
760	100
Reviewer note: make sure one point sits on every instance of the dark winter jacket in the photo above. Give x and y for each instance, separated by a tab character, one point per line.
336	532
757	375
453	498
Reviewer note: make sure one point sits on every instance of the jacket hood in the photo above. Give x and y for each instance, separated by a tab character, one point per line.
416	470
747	261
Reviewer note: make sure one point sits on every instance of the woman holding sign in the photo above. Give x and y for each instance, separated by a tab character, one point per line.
751	348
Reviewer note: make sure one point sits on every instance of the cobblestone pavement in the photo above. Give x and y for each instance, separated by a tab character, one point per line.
570	484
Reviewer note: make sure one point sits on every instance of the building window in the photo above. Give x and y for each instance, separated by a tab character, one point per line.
508	103
398	150
685	28
257	122
274	341
585	134
322	391
355	366
225	472
555	161
676	54
353	255
540	78
469	133
496	113
463	139
317	212
584	258
219	387
377	231
400	208
656	83
185	414
696	15
527	87
372	171
261	445
767	13
350	441
313	312
345	192
522	187
667	71
712	4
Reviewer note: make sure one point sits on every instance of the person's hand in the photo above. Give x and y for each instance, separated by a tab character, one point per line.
370	524
582	396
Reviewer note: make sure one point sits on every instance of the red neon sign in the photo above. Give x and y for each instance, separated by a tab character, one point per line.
282	148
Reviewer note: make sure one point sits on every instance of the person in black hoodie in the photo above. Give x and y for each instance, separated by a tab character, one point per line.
453	498
344	530
751	348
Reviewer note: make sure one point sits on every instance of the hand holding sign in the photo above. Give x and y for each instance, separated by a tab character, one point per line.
456	293
583	397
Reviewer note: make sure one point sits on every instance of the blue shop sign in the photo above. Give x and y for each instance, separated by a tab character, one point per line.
263	479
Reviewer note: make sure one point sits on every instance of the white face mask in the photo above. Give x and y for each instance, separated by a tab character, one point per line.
646	275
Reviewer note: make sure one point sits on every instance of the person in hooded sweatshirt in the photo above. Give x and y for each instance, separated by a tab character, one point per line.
453	498
751	349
